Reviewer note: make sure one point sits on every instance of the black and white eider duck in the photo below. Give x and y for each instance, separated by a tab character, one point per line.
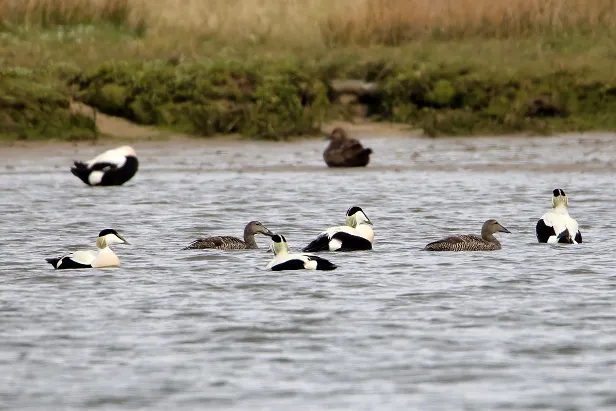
354	236
556	226
471	242
105	257
112	168
285	261
232	243
344	151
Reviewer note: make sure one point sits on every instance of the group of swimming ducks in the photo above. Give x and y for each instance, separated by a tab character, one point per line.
115	167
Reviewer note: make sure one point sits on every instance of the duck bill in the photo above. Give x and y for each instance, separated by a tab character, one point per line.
268	233
503	229
123	239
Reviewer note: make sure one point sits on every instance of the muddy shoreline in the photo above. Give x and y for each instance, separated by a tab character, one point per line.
395	149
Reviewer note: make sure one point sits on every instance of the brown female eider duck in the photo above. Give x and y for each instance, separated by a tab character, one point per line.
233	243
344	151
471	242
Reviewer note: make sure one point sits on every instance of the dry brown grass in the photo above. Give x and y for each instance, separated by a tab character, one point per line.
50	13
397	21
323	22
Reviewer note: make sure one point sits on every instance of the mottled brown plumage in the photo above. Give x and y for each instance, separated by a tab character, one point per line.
471	242
232	243
344	151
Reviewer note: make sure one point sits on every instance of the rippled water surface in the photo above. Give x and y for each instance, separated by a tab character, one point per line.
528	327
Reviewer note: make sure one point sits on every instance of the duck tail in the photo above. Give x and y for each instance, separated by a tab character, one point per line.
321	243
323	264
565	237
81	171
53	261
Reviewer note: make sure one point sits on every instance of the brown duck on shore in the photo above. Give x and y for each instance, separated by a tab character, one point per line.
344	151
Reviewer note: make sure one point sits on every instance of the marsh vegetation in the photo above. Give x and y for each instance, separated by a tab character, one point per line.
265	69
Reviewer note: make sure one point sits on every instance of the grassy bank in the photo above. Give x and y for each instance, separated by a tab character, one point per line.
267	69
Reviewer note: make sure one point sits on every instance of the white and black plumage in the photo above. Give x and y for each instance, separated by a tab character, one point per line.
556	226
104	257
285	261
471	242
112	168
356	235
232	243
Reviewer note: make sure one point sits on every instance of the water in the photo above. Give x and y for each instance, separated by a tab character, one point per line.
528	327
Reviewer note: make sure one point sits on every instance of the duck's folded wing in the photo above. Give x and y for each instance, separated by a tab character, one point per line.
454	239
103	166
557	221
83	257
353	148
114	157
320	263
572	226
289	262
445	243
214	242
79	259
321	243
352	241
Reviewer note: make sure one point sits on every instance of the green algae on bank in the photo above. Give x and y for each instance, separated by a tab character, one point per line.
38	107
266	100
209	98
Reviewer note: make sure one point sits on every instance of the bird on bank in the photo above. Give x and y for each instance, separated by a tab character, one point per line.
344	151
471	242
356	235
556	226
285	261
232	243
104	257
111	168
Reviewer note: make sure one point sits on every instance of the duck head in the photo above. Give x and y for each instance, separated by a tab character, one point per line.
279	244
492	226
559	199
355	216
109	237
256	227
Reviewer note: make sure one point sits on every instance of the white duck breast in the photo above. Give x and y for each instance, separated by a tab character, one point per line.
356	235
556	226
284	261
113	167
105	257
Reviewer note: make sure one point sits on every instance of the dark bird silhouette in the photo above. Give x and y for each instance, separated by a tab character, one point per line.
344	151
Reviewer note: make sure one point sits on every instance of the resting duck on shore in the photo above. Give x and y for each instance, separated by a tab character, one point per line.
112	168
105	257
471	242
344	151
556	226
285	261
356	235
232	243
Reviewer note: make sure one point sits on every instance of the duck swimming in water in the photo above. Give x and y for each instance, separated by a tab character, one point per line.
112	168
556	226
285	261
356	235
343	151
105	257
471	242
232	243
